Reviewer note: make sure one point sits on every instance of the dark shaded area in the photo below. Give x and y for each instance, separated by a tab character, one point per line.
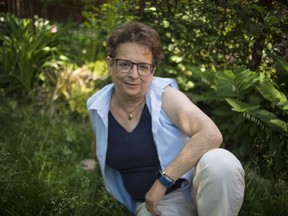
59	11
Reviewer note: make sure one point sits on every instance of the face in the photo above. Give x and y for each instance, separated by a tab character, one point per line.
130	84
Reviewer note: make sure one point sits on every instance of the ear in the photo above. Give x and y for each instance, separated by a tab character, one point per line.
154	69
109	62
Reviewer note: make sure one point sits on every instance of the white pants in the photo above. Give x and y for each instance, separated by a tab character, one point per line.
217	190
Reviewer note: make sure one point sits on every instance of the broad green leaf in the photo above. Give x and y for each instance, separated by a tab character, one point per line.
269	92
229	74
283	63
283	105
271	120
240	106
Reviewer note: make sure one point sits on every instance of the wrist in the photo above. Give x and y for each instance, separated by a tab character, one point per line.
164	179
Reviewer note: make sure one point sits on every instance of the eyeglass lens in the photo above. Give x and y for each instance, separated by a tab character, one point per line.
125	66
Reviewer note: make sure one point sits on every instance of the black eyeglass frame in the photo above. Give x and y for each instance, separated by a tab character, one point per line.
137	64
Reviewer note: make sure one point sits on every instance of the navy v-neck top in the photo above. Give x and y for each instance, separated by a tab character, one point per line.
133	154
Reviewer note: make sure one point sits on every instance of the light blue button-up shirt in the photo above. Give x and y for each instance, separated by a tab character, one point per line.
168	138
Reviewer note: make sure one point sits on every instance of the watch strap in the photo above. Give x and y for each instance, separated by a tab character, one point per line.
164	180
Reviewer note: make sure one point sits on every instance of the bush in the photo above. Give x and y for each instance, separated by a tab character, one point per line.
252	113
37	62
27	48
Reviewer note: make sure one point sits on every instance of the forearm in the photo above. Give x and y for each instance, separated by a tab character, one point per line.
197	146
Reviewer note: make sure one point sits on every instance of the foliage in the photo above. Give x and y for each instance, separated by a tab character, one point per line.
263	197
36	67
98	24
252	113
40	171
218	35
28	46
69	88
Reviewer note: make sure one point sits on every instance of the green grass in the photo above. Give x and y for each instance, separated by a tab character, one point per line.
264	197
40	171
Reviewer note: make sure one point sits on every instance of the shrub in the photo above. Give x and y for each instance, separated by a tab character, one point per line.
27	48
252	112
36	62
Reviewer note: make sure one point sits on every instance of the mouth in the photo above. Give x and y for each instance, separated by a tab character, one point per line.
130	84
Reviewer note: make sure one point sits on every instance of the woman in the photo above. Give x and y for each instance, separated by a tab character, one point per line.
158	152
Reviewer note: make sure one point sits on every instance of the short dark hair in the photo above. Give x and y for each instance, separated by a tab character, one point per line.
139	33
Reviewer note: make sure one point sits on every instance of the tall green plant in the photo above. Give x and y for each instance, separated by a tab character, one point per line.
27	47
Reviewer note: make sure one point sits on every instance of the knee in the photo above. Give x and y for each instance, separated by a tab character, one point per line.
220	164
220	173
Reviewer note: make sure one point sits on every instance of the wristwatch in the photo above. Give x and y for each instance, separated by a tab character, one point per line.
164	180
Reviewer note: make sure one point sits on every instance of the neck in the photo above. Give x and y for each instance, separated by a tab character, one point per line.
129	106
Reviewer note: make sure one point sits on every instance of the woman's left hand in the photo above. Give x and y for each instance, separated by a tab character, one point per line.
153	196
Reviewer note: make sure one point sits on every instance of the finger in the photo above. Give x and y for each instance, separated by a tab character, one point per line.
157	212
153	209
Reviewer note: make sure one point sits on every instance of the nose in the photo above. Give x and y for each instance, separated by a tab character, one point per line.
134	71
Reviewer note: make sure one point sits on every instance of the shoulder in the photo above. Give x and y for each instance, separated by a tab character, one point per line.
176	104
175	97
162	83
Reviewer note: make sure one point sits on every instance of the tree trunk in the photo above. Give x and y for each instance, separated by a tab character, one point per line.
260	40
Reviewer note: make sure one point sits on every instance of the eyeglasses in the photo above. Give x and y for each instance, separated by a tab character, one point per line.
125	66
